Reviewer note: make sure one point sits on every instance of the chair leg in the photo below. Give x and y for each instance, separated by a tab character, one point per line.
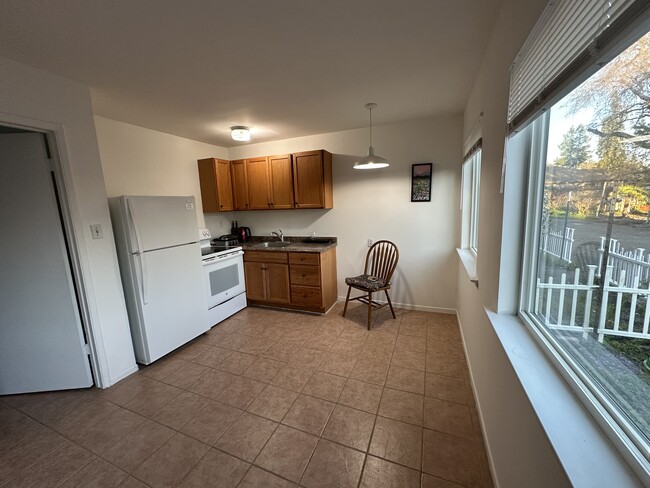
369	308
390	304
347	298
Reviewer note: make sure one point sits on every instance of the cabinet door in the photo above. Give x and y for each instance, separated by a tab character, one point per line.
239	184
280	172
277	277
258	184
224	186
308	179
213	195
255	281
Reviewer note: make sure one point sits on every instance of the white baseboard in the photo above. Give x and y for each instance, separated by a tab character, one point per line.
479	410
410	306
120	377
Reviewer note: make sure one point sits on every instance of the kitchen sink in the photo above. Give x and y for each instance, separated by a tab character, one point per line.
274	244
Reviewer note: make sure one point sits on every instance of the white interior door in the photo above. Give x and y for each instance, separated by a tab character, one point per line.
41	338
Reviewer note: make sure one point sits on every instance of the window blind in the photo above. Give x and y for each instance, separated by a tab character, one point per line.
478	145
566	36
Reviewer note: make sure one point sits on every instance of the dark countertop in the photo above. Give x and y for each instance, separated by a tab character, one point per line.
298	244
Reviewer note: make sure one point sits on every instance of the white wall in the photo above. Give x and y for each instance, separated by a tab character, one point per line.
37	99
520	452
139	161
367	204
377	204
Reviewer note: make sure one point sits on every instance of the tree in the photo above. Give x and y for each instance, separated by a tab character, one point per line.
627	80
612	151
574	148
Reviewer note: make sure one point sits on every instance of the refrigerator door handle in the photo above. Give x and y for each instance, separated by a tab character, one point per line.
141	277
136	227
143	267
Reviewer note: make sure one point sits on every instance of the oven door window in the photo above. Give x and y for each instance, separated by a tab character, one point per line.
223	279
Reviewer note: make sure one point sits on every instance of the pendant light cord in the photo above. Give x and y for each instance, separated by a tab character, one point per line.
370	126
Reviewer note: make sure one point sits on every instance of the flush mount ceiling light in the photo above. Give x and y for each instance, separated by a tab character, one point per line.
371	161
240	133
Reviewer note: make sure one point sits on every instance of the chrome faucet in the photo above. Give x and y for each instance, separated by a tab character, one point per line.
279	234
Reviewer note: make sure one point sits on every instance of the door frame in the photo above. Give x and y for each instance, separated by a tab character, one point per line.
79	263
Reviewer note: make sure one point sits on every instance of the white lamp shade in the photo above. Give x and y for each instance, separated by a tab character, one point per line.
371	161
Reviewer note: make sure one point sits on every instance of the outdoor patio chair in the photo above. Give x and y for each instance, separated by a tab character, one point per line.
586	254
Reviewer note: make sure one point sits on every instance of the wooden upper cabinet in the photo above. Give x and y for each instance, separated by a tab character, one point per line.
312	179
280	175
259	197
216	187
239	184
301	180
270	183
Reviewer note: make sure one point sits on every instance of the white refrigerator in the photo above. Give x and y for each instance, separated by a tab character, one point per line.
162	272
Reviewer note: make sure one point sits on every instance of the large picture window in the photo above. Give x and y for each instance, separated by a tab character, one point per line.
588	269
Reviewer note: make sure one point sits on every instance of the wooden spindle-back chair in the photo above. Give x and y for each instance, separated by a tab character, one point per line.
381	262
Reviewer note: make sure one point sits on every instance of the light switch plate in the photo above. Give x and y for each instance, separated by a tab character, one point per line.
96	231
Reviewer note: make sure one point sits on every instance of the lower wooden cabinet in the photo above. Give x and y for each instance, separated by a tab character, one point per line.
300	280
267	277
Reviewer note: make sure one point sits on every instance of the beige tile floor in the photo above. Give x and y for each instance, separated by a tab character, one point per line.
267	398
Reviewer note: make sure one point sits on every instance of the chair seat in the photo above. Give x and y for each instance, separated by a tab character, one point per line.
367	282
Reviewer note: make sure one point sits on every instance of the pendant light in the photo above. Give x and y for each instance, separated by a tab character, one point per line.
371	161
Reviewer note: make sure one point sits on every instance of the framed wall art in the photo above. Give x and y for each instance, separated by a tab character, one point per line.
421	182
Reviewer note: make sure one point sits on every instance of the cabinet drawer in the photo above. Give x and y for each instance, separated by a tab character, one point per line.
305	275
312	258
306	295
265	256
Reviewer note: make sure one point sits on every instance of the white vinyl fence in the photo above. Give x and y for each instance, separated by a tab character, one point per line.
568	306
626	265
558	244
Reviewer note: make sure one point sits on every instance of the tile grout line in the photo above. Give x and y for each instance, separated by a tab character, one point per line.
300	392
374	425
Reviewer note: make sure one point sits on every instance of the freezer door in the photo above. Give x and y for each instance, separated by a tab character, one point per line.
160	222
172	300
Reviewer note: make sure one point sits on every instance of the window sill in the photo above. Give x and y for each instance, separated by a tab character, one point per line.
586	454
468	258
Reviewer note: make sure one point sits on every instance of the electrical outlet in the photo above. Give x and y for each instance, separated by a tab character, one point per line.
96	231
369	242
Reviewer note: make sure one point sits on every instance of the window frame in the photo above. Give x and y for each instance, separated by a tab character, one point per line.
471	196
632	445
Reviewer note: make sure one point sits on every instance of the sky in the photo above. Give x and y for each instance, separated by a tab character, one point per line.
560	124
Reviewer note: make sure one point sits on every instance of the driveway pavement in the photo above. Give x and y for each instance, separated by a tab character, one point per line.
630	234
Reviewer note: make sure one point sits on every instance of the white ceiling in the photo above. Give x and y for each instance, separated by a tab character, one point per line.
287	68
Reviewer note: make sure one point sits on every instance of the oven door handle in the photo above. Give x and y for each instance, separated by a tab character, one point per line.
232	255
